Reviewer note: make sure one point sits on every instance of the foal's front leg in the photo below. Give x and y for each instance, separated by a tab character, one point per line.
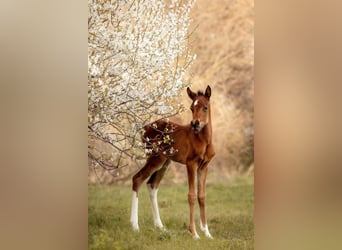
201	183
192	167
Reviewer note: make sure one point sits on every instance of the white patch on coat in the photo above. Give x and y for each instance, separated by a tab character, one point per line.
134	212
195	103
155	210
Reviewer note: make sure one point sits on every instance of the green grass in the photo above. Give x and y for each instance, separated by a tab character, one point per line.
229	212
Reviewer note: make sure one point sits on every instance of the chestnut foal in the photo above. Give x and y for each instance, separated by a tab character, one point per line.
191	145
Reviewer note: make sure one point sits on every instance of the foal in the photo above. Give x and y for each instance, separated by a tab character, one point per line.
190	145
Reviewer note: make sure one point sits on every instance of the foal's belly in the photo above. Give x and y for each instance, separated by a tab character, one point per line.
179	158
184	156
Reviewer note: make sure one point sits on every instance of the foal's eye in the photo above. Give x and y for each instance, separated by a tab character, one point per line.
205	108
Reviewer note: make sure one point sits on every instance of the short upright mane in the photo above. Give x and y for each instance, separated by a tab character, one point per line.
200	93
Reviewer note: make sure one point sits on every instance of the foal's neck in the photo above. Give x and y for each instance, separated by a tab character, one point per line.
206	132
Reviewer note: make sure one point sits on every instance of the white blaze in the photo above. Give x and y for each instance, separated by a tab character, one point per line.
196	102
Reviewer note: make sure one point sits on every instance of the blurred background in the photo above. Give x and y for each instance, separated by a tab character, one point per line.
298	144
222	37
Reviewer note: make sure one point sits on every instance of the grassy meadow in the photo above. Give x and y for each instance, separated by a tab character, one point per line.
230	207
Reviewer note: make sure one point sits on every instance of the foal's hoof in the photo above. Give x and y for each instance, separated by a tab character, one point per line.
163	229
135	228
206	232
196	236
159	226
209	236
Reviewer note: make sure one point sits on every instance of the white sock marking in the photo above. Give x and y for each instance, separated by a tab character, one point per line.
134	212
205	230
155	209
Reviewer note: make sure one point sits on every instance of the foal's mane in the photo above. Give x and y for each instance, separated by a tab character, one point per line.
200	93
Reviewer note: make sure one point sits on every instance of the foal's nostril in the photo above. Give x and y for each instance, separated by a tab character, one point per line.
195	124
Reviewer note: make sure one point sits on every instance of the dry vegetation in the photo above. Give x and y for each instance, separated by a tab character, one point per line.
224	43
223	39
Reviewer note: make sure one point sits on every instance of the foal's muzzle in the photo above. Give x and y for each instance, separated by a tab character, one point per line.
195	125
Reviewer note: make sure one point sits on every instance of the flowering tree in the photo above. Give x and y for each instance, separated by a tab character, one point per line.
137	58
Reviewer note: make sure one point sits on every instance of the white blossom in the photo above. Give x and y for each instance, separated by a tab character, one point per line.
137	58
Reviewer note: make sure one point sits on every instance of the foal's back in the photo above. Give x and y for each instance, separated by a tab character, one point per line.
174	141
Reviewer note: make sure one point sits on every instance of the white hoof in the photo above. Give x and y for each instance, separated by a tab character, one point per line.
196	236
205	230
135	226
209	236
159	225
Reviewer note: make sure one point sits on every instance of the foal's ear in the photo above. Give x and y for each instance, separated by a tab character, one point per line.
208	92
191	94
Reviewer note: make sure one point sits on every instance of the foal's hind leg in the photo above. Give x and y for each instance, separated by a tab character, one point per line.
152	164
152	185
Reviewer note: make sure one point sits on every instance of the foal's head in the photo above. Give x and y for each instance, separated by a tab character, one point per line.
200	108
